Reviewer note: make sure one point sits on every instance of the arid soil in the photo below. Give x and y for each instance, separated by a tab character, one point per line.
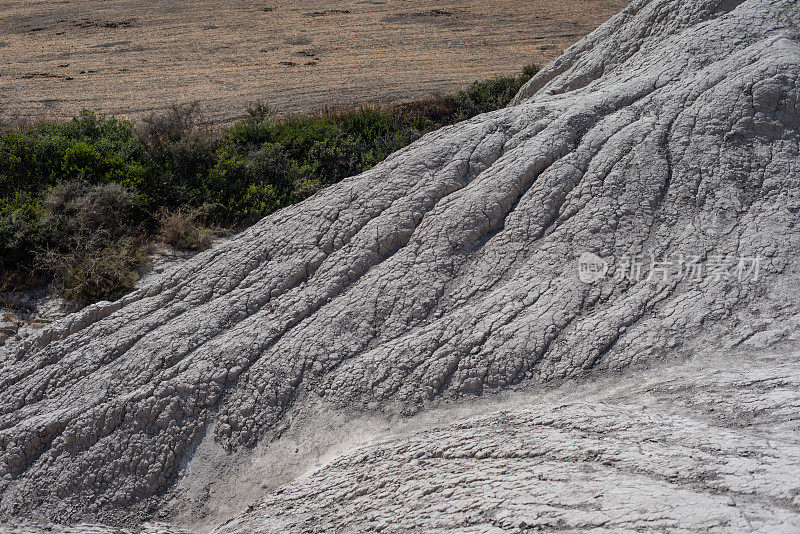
132	57
227	393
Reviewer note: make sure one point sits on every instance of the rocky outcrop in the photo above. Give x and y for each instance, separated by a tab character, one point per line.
640	199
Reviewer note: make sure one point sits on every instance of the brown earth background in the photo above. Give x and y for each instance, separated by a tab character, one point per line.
133	57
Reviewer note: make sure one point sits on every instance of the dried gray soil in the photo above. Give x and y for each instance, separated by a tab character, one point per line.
447	274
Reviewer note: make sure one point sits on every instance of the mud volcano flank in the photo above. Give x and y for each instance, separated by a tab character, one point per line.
666	138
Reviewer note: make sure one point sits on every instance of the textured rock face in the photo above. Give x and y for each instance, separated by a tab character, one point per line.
685	448
451	268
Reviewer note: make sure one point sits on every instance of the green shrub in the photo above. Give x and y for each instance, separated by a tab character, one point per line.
485	96
258	201
70	234
22	230
18	171
77	198
258	112
182	150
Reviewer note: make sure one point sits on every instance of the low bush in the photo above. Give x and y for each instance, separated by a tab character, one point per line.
489	95
92	273
22	232
79	198
90	148
180	229
79	212
91	239
181	150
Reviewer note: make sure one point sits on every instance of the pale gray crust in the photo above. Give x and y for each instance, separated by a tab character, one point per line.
709	446
448	270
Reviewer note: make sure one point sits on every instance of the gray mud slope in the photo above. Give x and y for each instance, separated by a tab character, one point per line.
709	446
449	269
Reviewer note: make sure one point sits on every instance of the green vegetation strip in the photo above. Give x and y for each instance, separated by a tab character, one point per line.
81	200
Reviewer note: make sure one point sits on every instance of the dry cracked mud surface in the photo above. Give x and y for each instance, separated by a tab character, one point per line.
449	273
706	446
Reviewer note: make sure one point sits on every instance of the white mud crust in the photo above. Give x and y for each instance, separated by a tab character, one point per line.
450	271
710	446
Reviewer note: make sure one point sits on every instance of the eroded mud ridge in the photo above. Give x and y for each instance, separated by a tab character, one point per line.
452	269
692	447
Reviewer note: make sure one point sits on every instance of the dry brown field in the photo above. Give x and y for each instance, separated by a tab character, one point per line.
132	57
